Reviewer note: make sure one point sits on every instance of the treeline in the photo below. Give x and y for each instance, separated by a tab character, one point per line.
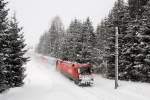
11	51
81	43
133	21
77	43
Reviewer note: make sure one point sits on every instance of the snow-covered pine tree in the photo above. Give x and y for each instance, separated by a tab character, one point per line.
102	43
88	41
124	19
14	51
130	50
110	47
145	41
136	7
3	31
75	27
101	36
139	69
45	44
133	53
40	45
118	17
51	41
56	32
72	44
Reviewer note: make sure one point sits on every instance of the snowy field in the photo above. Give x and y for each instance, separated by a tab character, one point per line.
43	82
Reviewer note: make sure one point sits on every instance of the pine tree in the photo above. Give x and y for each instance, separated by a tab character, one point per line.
39	48
43	45
130	50
14	51
87	41
79	42
100	32
75	27
102	35
46	44
133	64
51	42
3	32
137	52
56	32
72	44
136	7
117	18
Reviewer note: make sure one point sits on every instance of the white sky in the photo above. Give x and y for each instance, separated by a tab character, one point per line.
35	15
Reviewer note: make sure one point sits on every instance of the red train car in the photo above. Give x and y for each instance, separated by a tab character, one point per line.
79	73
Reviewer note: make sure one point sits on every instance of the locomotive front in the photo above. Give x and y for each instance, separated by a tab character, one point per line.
85	75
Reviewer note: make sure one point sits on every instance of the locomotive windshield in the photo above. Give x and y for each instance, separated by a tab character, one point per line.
85	70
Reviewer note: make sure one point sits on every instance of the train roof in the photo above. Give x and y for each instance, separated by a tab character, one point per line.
82	65
75	64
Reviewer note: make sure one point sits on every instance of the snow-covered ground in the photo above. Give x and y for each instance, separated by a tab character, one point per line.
43	82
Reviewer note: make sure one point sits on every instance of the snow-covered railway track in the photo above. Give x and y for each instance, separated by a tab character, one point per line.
43	82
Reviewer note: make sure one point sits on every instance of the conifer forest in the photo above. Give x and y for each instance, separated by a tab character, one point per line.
74	49
83	43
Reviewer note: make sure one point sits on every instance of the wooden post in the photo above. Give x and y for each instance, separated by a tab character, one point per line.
106	68
116	59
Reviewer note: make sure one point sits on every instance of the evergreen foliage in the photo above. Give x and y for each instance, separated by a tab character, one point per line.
138	28
56	33
118	17
72	42
12	50
3	30
136	7
43	46
80	43
133	49
88	43
51	41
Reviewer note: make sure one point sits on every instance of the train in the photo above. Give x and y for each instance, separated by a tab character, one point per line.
81	74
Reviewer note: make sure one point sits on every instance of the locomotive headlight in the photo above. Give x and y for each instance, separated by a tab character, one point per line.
79	71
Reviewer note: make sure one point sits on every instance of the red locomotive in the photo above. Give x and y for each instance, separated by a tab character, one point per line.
79	73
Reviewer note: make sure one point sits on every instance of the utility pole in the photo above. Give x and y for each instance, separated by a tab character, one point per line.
116	45
116	57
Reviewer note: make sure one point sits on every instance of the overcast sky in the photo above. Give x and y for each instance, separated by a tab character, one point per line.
35	15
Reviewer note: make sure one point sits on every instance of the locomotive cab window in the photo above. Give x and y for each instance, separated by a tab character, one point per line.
84	70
